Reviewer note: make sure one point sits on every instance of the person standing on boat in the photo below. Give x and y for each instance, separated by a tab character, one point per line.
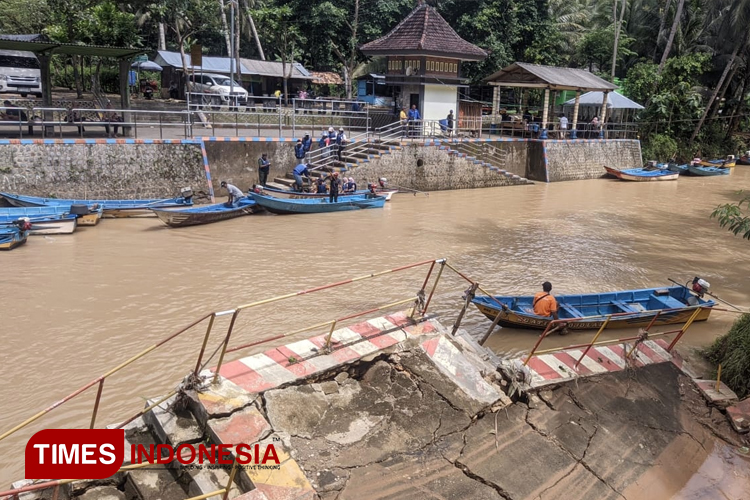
544	303
263	167
300	171
333	194
234	194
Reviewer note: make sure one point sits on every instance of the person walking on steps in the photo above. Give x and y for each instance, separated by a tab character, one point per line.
335	187
340	143
263	168
234	194
300	171
299	151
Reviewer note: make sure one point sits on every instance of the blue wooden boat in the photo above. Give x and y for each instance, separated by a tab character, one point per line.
280	193
111	208
87	216
12	236
680	169
642	174
317	205
633	309
708	171
728	162
204	214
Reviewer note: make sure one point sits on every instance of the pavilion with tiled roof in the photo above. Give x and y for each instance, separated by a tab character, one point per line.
424	56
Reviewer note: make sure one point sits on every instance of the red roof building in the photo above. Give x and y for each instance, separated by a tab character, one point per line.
423	59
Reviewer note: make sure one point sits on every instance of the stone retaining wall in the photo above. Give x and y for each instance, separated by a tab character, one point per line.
584	159
103	169
428	168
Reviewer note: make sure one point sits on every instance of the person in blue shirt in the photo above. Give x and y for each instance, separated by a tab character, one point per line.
299	150
307	143
351	186
414	117
321	186
300	171
263	168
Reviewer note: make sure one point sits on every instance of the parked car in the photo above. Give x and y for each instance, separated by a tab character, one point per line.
216	89
20	73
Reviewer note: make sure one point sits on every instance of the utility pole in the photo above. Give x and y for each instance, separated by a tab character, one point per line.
231	55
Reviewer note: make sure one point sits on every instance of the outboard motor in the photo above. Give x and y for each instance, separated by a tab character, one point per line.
700	286
79	210
187	194
24	223
383	182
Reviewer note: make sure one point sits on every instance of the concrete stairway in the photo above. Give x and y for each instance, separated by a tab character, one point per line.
472	153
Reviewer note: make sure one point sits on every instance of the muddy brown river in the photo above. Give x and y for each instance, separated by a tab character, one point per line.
74	306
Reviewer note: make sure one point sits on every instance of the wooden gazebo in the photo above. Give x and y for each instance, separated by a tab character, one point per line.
549	78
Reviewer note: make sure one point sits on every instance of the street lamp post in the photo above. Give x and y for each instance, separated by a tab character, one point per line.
231	51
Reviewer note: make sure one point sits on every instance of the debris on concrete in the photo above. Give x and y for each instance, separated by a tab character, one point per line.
722	397
739	416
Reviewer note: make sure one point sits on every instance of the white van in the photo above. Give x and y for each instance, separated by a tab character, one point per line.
20	73
219	85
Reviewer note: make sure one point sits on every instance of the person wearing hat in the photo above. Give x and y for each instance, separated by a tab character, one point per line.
323	144
263	168
340	142
234	194
307	143
335	186
299	151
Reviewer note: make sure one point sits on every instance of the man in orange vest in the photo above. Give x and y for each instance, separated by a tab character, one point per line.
544	303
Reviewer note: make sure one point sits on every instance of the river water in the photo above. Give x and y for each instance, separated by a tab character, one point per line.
75	306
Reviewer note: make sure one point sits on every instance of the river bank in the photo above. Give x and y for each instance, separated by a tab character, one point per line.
68	320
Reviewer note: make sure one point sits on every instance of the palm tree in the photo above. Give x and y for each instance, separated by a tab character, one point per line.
672	32
736	16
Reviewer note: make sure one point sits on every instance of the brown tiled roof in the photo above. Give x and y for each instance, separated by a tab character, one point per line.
424	31
326	78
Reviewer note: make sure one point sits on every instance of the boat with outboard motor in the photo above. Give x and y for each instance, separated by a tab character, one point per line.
110	208
317	205
14	234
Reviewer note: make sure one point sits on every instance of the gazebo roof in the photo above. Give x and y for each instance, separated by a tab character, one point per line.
614	101
424	31
534	75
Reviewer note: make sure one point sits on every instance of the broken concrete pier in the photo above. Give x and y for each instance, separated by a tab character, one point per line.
399	408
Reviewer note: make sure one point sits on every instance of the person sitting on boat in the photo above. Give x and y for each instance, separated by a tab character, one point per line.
544	303
321	187
300	171
335	187
234	194
351	186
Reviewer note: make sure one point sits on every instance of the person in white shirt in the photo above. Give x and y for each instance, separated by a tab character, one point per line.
563	125
234	194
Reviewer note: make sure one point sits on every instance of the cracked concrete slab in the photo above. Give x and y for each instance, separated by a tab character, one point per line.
388	412
424	475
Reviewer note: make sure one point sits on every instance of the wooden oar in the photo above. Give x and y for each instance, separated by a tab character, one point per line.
410	190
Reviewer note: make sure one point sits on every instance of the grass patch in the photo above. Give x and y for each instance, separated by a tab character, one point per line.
732	350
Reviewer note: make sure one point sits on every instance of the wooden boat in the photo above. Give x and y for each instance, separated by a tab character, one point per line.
111	208
317	205
205	214
293	195
634	309
642	175
728	162
87	216
744	159
680	169
708	171
40	225
12	236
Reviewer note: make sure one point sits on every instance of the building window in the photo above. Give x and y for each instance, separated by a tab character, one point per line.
442	66
390	65
418	62
432	65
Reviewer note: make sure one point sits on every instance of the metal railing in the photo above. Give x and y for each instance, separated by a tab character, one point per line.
420	301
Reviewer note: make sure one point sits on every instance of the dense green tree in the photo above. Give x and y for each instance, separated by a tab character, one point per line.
24	16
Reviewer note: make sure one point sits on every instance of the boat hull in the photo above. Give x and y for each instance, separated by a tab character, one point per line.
47	220
197	216
642	175
316	205
110	208
718	163
703	171
627	309
12	238
293	195
680	169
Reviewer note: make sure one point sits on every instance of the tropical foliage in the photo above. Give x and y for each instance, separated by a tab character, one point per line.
732	351
686	60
